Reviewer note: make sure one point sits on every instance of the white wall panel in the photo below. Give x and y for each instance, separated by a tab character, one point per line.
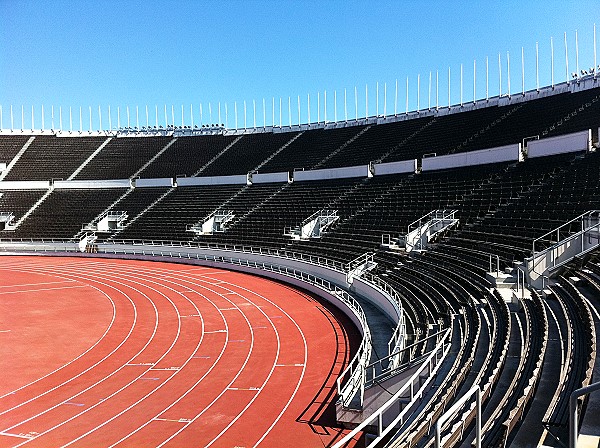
404	166
332	173
578	141
492	155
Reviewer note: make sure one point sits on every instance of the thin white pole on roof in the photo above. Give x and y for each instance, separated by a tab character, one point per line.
487	78
80	120
499	76
377	99
384	99
419	92
235	113
325	106
289	111
99	118
335	106
220	113
552	61
308	106
226	117
537	67
33	119
576	54
90	111
318	107
109	119
437	90
1	122
200	114
70	119
182	119
448	87
429	94
23	118
298	110
595	61
156	116
566	59
345	106
12	122
522	71
59	117
147	119
474	80
508	71
273	112
210	114
166	117
355	103
366	100
42	117
280	112
172	115
128	120
406	95
245	116
118	116
396	99
264	114
137	117
192	115
461	85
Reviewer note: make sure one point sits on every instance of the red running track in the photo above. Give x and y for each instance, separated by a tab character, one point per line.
99	352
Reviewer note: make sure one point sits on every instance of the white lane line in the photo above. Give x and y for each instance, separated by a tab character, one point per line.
37	284
20	291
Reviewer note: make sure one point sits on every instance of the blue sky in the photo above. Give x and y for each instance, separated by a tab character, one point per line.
127	53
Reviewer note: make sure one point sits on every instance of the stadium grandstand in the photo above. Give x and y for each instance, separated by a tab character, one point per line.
440	267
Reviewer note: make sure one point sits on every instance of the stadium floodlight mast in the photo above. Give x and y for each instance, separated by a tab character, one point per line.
384	99
80	119
461	85
437	90
576	55
280	112
70	119
226	116
264	114
182	121
32	119
99	117
308	106
235	113
42	117
245	117
552	61
487	78
289	111
173	115
324	107
90	113
147	120
474	80
335	106
12	122
192	114
110	118
210	120
499	76
449	103
59	117
298	110
508	71
522	71
272	109
155	116
166	116
137	117
220	113
200	115
23	118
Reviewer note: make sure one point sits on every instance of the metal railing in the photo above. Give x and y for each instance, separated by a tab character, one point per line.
475	390
589	214
573	411
402	401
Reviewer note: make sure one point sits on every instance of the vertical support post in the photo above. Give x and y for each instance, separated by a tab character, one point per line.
272	112
308	107
280	112
254	110
137	117
32	118
298	110
51	116
42	116
596	69
90	111
182	120
23	118
264	114
478	420
487	79
366	101
235	112
437	89
384	99
147	116
156	116
70	118
192	115
245	116
319	107
80	120
573	421
227	117
99	118
109	119
290	111
59	117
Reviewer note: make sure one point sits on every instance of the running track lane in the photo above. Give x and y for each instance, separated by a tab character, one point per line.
157	354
